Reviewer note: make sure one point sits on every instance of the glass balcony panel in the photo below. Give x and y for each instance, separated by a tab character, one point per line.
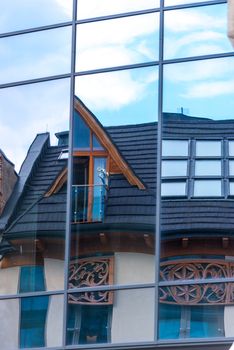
195	311
196	31
33	14
208	168
95	8
34	322
111	317
35	55
81	195
136	42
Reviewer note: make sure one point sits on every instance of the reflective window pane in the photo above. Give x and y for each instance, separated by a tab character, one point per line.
122	97
34	322
35	55
114	317
195	311
208	149
174	148
200	89
136	42
94	8
28	14
207	188
231	188
207	168
174	188
196	31
174	168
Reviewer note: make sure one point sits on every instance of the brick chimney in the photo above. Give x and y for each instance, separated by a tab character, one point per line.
8	178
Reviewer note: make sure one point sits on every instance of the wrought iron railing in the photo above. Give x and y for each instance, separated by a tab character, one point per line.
88	203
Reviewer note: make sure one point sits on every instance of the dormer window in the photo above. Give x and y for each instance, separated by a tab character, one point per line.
89	165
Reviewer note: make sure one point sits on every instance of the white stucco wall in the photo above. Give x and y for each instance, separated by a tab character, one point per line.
133	316
54	321
229	321
133	268
54	274
9	280
9	329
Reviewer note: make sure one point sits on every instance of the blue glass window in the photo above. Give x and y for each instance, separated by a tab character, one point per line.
33	309
81	140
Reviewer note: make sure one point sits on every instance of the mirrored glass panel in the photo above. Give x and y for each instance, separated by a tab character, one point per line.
196	31
95	8
111	317
28	14
231	188
32	245
195	311
200	89
174	148
121	97
136	42
31	322
207	168
196	228
208	149
35	55
113	192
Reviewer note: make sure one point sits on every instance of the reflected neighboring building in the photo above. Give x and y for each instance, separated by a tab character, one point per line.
113	234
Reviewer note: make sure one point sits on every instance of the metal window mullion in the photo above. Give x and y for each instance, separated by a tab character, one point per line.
69	180
159	161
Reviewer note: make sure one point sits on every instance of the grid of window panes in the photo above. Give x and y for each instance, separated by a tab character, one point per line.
129	62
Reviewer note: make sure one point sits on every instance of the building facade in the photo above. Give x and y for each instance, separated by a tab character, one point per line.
117	233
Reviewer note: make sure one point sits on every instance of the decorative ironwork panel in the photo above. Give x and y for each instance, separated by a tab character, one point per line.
206	293
91	272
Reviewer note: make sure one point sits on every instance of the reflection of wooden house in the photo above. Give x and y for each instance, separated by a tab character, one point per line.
113	230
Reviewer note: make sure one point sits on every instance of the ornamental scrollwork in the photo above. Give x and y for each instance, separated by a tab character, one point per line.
194	294
91	272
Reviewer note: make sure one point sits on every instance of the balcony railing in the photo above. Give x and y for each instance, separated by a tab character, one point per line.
88	203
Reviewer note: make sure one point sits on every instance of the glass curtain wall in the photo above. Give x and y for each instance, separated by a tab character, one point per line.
117	153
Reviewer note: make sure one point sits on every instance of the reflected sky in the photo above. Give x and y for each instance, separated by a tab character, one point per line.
197	31
124	97
23	14
201	88
95	8
28	110
136	42
35	55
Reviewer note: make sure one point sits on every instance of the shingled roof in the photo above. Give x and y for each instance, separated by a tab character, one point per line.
127	206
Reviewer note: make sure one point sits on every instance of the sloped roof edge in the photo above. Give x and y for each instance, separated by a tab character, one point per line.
37	146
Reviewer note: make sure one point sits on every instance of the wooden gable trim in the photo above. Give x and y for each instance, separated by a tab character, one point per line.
108	144
59	182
